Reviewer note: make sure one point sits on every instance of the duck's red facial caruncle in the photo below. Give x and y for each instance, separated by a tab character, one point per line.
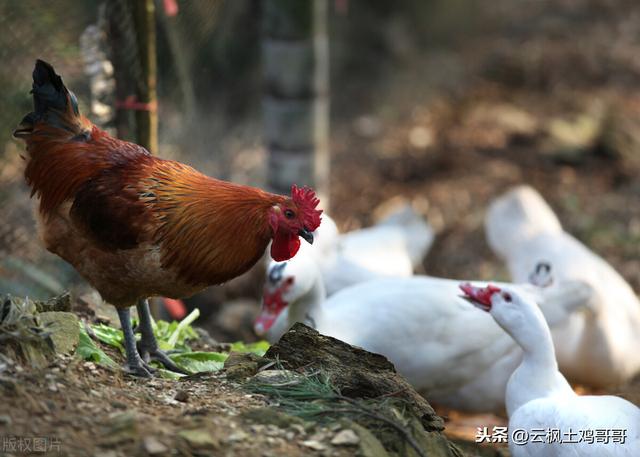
273	303
479	296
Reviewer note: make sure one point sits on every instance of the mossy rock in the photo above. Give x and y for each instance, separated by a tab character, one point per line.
64	330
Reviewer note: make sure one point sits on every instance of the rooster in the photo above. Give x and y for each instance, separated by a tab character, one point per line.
136	226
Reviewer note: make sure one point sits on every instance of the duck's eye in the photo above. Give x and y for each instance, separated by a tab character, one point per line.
507	297
289	214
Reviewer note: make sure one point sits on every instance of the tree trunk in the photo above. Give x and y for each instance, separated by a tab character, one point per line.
296	99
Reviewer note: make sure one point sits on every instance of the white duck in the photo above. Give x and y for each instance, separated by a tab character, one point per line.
394	247
598	348
539	398
434	337
403	234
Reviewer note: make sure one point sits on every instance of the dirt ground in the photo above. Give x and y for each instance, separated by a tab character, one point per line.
81	410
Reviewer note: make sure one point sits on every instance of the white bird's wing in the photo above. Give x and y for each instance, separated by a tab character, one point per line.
418	234
579	420
563	299
433	336
380	249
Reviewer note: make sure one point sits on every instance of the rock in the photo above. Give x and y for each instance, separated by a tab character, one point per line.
238	358
238	436
182	395
421	137
241	365
5	419
239	372
315	445
353	371
199	439
491	125
64	328
298	428
153	446
25	339
118	404
346	437
274	377
60	303
570	140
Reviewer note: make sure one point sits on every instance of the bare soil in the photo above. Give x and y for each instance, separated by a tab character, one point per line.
81	410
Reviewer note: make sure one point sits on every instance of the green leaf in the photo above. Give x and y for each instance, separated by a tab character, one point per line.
88	350
258	348
196	362
170	335
183	330
109	335
168	374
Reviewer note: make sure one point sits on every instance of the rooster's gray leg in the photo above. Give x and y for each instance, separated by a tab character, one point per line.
135	365
148	346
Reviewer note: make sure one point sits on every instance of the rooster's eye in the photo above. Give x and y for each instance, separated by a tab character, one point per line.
507	297
289	214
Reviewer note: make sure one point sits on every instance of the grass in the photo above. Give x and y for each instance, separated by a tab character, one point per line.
312	397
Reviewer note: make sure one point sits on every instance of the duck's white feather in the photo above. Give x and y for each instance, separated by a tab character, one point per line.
598	348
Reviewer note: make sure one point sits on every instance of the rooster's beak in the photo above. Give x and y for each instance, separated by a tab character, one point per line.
22	131
26	126
307	235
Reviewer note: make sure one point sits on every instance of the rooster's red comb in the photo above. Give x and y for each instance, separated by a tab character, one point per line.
306	201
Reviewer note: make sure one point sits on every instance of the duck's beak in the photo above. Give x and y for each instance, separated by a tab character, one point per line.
480	297
307	235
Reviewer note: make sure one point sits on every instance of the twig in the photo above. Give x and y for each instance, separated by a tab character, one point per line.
267	366
392	394
293	382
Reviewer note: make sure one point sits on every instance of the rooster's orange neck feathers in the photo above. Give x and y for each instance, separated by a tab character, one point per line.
208	226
